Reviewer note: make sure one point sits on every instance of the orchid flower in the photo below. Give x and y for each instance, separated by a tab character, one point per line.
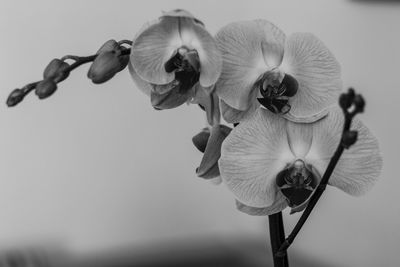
270	163
173	59
297	76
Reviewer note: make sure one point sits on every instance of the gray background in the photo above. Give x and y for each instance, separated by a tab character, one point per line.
95	167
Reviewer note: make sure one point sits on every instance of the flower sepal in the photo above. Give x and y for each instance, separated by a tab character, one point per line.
211	141
208	100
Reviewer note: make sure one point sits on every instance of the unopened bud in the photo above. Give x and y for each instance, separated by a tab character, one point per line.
109	46
349	138
57	70
104	67
344	101
16	96
45	88
351	94
359	102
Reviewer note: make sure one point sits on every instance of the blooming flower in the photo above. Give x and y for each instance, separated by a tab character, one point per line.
295	76
270	163
172	55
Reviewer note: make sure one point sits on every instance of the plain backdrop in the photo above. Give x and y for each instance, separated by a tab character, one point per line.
95	167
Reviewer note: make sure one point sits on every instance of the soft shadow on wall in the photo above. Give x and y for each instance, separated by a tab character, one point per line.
198	252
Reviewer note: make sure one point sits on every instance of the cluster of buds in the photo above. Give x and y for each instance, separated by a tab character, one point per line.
351	104
110	59
57	71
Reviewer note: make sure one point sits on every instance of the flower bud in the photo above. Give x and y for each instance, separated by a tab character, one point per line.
349	138
359	102
344	101
16	96
45	88
56	70
109	46
104	67
124	59
351	94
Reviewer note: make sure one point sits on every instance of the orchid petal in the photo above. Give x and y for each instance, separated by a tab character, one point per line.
249	49
317	71
300	137
251	157
232	115
212	153
216	180
210	173
141	84
360	165
178	13
196	37
306	119
171	99
153	47
279	205
209	100
181	13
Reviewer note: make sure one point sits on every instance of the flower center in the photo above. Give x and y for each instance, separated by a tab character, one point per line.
297	182
186	65
276	88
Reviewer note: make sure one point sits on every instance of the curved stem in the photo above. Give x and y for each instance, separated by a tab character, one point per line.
358	104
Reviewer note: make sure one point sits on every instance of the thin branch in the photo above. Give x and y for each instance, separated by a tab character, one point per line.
351	104
277	237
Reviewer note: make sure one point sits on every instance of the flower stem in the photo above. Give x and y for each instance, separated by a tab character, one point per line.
277	237
351	104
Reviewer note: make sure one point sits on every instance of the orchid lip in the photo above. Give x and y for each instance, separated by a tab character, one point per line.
185	64
297	182
276	88
183	60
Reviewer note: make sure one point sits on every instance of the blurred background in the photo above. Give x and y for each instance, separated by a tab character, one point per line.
96	176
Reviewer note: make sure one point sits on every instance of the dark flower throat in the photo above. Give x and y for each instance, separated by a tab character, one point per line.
186	68
297	182
275	95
